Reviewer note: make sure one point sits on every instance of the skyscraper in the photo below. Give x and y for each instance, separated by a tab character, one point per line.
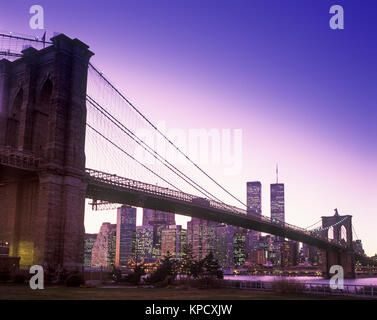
254	207
254	197
289	253
224	245
173	240
148	216
125	235
201	234
88	247
239	247
277	202
159	220
144	243
151	217
103	251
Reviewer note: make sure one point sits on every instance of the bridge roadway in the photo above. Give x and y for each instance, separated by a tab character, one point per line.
112	188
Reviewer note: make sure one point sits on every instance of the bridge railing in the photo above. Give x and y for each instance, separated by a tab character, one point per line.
178	195
18	159
304	287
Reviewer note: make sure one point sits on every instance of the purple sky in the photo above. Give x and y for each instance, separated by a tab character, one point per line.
304	95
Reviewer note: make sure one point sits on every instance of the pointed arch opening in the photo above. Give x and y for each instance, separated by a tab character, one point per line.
343	234
331	233
41	118
14	120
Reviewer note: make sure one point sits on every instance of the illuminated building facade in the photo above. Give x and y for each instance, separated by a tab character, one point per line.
152	217
103	251
159	220
88	247
289	254
254	197
254	207
224	245
125	235
173	240
311	254
257	257
239	247
144	243
201	234
277	202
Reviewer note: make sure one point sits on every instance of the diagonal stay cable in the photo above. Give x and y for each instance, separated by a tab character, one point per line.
163	135
153	152
313	224
133	158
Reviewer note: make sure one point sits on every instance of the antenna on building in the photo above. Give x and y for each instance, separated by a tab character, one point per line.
277	173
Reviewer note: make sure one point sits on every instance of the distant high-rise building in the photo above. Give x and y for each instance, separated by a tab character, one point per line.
312	255
157	237
103	251
173	240
152	217
254	207
289	253
125	235
260	252
257	257
88	246
239	247
224	245
277	202
254	197
148	216
201	234
159	220
144	243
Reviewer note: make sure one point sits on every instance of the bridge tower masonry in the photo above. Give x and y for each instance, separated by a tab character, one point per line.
43	116
344	258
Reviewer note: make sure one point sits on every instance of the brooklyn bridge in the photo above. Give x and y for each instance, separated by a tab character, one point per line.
56	108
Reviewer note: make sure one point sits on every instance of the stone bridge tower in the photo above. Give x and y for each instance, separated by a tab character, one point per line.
345	258
42	159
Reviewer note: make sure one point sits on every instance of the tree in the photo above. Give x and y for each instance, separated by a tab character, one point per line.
167	268
138	272
197	269
187	261
212	267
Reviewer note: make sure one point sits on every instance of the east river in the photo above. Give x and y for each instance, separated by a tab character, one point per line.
316	280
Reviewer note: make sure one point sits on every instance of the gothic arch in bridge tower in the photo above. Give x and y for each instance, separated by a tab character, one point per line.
13	127
41	114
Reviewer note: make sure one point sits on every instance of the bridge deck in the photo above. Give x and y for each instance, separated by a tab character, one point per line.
112	188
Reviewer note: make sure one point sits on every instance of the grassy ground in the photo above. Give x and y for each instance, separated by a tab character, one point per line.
15	292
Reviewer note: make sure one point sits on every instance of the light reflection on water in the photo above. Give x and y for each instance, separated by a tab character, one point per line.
319	280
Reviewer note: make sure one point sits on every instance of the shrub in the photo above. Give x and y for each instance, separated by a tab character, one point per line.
134	278
19	278
167	269
74	280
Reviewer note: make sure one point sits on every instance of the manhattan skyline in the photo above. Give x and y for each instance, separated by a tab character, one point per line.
304	95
